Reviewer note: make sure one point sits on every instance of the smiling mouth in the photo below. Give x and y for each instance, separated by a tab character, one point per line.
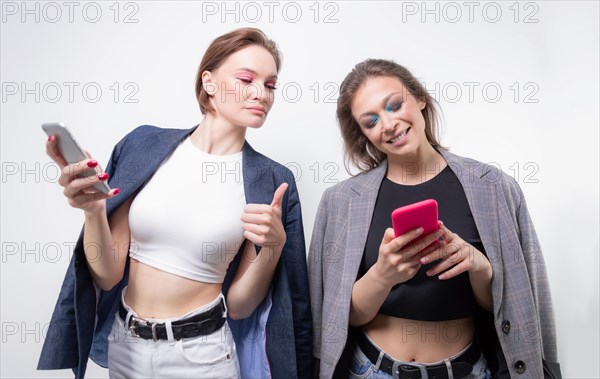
399	136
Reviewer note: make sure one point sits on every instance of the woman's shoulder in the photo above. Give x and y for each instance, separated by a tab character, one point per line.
355	185
147	139
470	170
143	133
473	169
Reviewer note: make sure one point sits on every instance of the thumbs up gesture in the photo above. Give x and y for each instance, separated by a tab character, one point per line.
262	223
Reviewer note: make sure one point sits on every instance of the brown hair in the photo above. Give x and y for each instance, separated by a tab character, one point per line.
222	47
357	148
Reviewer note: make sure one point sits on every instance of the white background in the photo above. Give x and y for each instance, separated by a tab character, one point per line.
543	130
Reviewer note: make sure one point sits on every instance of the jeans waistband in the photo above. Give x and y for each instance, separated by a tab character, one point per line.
203	320
455	367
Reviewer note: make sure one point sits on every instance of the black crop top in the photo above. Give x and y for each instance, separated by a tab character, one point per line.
423	297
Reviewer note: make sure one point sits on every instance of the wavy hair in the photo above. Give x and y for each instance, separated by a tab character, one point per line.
358	150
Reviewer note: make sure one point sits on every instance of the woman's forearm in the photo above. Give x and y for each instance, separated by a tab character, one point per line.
481	282
252	280
106	245
368	294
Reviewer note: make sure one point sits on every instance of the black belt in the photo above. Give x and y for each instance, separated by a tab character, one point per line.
202	324
461	365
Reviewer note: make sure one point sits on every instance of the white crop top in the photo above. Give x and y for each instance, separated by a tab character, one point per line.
186	219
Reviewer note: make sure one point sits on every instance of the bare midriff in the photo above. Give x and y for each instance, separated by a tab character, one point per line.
420	341
154	293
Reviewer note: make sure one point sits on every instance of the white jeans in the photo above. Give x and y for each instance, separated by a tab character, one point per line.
210	356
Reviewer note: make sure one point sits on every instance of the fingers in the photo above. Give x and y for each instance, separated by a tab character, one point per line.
456	258
78	178
73	171
412	247
258	209
82	200
278	196
393	264
447	234
53	152
80	184
388	236
263	213
448	244
458	269
255	228
262	222
259	239
426	243
260	214
263	235
398	242
268	208
432	250
441	250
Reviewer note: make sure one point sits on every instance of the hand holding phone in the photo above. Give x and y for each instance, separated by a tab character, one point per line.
422	214
72	152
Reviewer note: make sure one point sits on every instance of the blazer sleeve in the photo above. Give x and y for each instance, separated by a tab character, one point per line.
296	251
538	278
315	277
61	347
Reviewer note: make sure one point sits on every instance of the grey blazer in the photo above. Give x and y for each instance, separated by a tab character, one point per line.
523	314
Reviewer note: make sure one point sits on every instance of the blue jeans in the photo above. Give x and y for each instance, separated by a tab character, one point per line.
362	368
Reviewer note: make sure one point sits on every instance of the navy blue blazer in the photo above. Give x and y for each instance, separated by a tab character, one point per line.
83	316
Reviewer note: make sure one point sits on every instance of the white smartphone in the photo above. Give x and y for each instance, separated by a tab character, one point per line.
71	150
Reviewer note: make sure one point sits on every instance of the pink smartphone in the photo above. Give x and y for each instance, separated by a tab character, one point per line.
423	214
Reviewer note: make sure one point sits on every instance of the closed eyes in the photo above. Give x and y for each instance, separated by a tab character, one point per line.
393	107
270	85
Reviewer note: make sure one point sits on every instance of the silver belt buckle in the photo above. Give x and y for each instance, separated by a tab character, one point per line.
136	321
133	323
396	371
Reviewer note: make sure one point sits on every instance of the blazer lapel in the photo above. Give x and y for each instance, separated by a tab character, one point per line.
479	186
258	184
360	212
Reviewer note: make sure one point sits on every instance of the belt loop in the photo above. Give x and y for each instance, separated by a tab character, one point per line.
424	374
379	359
128	318
154	335
395	369
129	310
449	368
169	329
224	304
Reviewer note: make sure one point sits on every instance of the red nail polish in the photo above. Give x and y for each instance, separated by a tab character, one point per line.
92	163
116	191
103	176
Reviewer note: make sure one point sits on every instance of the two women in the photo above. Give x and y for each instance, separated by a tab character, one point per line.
164	260
179	252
